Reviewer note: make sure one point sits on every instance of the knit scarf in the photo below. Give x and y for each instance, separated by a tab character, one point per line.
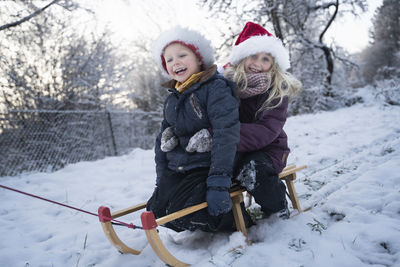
257	83
182	87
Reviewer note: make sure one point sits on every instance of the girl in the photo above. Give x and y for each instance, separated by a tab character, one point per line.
258	64
199	98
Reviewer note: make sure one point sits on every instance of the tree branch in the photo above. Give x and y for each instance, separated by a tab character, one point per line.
324	6
330	21
34	14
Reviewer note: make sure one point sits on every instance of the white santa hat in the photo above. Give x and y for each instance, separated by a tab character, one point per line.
189	38
255	39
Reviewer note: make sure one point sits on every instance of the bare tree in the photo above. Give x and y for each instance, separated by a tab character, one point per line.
144	80
46	64
35	11
26	18
381	59
301	25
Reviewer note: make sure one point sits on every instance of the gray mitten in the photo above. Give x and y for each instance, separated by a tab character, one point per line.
168	140
200	142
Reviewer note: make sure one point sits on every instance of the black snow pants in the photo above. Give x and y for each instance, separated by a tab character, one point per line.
255	171
176	191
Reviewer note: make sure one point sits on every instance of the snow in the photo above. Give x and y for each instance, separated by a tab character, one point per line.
352	183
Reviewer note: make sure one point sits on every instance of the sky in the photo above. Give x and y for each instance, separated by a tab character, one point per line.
353	32
124	16
352	183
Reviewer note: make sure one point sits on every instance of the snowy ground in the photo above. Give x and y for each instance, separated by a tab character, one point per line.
352	184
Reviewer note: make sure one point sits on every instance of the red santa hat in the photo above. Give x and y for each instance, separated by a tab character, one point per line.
189	38
255	39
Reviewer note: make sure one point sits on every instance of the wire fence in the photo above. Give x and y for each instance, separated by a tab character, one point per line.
43	140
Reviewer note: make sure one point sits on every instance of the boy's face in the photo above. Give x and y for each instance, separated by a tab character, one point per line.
181	62
260	62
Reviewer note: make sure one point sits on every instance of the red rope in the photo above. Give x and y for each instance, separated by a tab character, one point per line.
129	225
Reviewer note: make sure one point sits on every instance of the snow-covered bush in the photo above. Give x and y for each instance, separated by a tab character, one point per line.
388	90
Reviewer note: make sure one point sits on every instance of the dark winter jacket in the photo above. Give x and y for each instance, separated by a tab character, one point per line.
209	103
264	132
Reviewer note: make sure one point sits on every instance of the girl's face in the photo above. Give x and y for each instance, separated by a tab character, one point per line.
181	62
260	62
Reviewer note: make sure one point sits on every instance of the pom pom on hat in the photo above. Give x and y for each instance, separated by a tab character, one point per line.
189	38
255	39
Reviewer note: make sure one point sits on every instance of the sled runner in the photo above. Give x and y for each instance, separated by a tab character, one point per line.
150	224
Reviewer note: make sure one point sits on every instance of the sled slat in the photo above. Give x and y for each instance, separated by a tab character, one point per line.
189	210
289	167
291	170
181	213
126	211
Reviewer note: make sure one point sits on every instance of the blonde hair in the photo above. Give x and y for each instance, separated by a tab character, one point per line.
283	83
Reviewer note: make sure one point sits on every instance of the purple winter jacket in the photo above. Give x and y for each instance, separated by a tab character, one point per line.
265	132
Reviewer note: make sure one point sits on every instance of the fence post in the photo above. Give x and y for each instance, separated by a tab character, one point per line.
112	133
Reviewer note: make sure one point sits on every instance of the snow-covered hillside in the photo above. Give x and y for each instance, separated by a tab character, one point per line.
352	184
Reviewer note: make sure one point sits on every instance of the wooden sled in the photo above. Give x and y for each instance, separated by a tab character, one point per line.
150	224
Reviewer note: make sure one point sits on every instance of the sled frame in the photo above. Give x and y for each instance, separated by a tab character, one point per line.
150	224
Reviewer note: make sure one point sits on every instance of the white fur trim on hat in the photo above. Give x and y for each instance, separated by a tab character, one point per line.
258	44
187	36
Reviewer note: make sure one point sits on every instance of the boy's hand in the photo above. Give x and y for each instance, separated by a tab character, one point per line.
219	201
200	142
217	196
168	140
